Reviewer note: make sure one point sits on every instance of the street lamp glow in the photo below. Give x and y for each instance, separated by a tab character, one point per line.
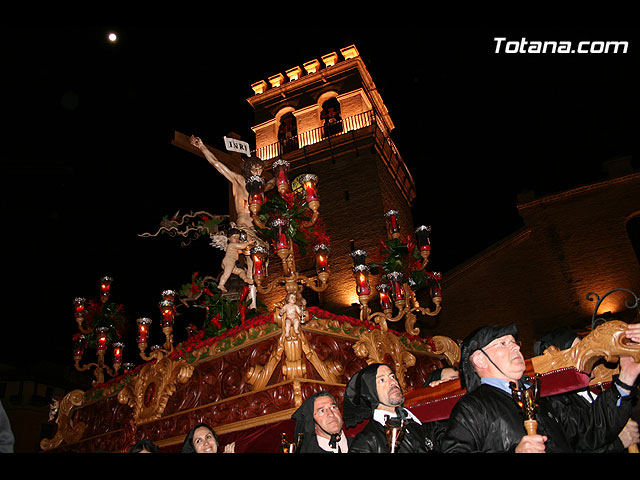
112	37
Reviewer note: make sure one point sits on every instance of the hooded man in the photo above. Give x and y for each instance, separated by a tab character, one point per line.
320	421
487	418
374	394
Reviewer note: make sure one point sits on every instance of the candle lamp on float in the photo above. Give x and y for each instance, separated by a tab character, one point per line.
167	319
255	188
281	230
280	169
397	291
95	322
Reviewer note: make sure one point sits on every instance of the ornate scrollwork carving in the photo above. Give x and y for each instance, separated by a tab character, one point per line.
68	431
607	342
447	347
149	392
376	344
295	348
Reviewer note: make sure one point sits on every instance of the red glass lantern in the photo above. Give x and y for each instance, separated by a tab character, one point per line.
79	306
258	256
392	222
79	345
310	185
361	274
102	338
118	348
128	368
255	188
143	330
280	170
385	300
167	311
105	288
279	228
322	257
434	281
396	291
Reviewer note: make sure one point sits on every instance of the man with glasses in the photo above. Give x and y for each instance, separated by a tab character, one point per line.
487	418
320	421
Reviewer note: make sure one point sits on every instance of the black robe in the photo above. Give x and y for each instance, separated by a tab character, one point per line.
310	445
487	419
418	438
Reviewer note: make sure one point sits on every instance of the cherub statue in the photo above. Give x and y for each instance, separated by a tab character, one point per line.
291	314
233	247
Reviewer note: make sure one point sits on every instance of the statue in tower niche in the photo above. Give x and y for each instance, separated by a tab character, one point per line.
251	166
330	115
288	133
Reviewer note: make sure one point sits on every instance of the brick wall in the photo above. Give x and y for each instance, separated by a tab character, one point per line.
572	243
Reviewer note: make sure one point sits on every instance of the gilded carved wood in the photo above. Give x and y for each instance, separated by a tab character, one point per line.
149	393
375	345
606	342
68	431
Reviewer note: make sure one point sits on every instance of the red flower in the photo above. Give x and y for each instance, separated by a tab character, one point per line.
216	320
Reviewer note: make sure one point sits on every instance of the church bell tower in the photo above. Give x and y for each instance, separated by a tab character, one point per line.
327	118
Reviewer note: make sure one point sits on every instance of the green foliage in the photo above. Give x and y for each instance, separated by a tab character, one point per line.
294	209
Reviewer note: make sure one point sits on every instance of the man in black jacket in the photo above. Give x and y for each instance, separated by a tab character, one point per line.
320	421
487	418
374	394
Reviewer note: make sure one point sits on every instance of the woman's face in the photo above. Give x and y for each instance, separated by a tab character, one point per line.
204	441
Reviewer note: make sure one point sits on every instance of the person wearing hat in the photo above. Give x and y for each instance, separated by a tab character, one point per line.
374	394
487	418
320	421
564	338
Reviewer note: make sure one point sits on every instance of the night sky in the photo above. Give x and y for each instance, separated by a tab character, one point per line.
87	163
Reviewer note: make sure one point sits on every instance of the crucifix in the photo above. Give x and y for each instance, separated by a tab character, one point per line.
236	170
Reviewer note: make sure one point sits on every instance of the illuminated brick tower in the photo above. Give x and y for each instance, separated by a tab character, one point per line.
327	118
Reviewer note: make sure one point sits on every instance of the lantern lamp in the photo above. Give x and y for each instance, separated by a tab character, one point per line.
258	257
310	185
279	228
79	345
385	300
280	170
102	338
167	311
396	291
321	251
361	274
424	243
144	324
393	227
118	348
105	288
255	188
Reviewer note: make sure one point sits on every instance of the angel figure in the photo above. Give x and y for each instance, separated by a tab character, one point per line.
292	314
233	247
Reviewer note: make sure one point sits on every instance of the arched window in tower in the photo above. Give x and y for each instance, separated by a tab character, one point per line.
330	116
288	133
633	230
